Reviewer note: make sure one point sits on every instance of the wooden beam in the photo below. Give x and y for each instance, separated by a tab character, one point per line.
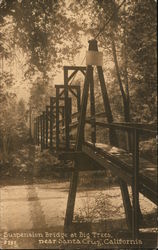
41	130
83	71
112	134
71	200
57	118
51	122
92	109
135	185
74	68
66	108
82	118
72	75
126	203
38	129
79	141
47	108
70	155
44	129
72	92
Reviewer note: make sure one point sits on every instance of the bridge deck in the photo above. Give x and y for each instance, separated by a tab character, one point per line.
120	163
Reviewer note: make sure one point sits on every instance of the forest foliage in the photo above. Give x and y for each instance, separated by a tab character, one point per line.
51	33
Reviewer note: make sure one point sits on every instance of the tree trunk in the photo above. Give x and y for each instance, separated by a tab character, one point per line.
125	100
125	95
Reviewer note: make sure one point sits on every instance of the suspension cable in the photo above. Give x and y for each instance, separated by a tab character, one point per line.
101	30
110	18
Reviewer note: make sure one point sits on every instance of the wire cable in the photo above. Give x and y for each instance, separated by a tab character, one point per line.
110	18
101	30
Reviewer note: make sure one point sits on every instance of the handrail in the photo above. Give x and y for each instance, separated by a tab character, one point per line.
126	127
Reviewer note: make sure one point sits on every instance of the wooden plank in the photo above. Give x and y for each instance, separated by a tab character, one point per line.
123	169
124	173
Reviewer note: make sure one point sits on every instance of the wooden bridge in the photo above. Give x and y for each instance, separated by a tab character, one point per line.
63	127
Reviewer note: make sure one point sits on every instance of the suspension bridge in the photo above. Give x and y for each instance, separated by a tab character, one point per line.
61	128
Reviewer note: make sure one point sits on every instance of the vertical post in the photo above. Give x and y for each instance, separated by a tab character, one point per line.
92	109
136	209
38	130
112	133
57	118
63	115
44	128
114	141
70	109
71	200
30	113
80	131
47	114
78	99
41	126
126	203
66	107
51	123
34	132
79	141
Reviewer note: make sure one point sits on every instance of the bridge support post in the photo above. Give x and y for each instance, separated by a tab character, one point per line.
47	114
71	201
34	132
107	108
78	99
41	130
66	79
92	107
135	186
51	123
57	118
44	129
38	130
126	203
79	141
80	138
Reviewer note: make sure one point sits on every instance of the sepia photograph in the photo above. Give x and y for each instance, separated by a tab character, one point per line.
78	124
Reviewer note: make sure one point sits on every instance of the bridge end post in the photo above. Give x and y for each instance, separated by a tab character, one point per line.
71	202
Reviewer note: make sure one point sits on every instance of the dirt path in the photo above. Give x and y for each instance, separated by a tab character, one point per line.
37	203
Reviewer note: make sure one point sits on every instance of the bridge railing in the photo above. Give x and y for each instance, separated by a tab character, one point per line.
136	131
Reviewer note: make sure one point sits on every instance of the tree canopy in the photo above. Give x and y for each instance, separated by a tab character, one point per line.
39	36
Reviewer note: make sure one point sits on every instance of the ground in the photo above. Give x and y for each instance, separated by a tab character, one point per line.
34	198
